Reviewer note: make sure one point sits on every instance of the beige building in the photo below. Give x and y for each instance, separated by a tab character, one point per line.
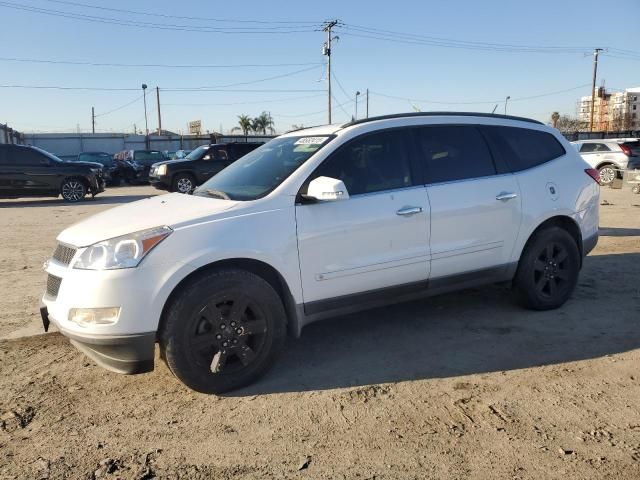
611	110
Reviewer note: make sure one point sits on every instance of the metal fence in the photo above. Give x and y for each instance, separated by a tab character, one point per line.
69	145
574	136
9	135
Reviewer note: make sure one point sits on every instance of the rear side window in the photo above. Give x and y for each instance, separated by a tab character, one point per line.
455	152
521	148
594	148
371	163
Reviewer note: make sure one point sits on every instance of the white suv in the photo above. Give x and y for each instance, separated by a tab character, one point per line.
318	222
609	156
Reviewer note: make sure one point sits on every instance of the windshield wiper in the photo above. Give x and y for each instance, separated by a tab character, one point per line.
215	193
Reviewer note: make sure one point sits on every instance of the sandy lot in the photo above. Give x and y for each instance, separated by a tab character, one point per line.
466	385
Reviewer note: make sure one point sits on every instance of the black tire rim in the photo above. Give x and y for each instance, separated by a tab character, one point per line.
229	334
551	271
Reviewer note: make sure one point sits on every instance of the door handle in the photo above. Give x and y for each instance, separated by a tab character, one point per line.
504	196
408	211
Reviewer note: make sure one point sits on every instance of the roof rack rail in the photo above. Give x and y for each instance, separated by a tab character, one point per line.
439	114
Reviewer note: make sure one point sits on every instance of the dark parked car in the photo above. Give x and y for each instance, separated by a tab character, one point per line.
32	172
197	167
141	161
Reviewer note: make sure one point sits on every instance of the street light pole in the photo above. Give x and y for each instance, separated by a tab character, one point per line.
506	100
357	93
144	94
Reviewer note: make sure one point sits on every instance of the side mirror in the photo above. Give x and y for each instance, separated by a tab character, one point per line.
326	189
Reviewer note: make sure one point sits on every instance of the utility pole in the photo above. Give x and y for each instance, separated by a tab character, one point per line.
506	101
593	85
159	117
357	94
93	120
327	51
367	103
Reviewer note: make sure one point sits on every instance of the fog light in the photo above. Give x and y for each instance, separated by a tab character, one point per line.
94	316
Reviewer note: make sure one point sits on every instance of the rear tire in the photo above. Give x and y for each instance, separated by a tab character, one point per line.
73	190
183	183
548	270
607	174
223	330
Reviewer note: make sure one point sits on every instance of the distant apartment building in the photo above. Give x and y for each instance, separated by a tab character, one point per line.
611	110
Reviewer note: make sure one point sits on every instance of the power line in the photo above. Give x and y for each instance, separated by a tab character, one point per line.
255	102
206	19
400	37
513	99
154	65
160	26
106	89
120	107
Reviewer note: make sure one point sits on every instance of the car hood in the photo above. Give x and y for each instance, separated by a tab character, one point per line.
177	161
87	164
173	210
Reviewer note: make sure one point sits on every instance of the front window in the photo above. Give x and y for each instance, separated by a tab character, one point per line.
50	156
197	154
262	170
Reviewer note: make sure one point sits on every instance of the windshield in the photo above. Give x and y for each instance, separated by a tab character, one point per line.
103	158
197	153
262	170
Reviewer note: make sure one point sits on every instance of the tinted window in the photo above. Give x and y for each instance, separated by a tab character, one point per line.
3	156
372	163
26	156
521	148
220	153
594	148
454	153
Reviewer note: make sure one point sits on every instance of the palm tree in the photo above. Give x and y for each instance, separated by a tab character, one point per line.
555	116
244	124
263	122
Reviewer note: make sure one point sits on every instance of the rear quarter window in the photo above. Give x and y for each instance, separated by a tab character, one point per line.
522	148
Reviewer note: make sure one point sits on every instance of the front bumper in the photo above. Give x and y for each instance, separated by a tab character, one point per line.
126	354
161	183
96	185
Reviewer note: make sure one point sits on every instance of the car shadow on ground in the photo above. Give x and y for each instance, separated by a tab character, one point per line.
59	202
619	232
475	331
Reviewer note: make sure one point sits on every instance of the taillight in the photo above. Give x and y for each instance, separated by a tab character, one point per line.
593	173
626	150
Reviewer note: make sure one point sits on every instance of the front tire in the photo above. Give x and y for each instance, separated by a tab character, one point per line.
548	270
184	183
73	190
223	331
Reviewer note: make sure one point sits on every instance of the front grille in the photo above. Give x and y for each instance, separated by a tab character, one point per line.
64	254
53	285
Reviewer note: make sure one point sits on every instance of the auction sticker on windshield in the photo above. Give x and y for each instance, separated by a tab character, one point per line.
310	140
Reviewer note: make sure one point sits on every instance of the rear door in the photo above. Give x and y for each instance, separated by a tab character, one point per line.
475	203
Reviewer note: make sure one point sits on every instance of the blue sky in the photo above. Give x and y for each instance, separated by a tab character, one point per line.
418	72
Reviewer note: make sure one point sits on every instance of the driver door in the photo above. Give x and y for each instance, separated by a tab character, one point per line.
377	238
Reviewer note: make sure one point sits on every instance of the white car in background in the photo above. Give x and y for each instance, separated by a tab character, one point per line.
320	222
610	156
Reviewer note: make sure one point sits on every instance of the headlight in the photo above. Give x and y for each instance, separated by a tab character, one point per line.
161	170
95	171
126	251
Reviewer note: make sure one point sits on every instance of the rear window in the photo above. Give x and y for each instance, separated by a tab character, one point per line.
147	158
594	148
521	148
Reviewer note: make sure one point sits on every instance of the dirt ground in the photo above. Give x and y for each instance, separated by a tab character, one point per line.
466	385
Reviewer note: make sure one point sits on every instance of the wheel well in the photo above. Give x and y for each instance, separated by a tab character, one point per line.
257	267
185	173
566	223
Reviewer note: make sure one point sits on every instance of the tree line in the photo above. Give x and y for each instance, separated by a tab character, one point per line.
261	124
